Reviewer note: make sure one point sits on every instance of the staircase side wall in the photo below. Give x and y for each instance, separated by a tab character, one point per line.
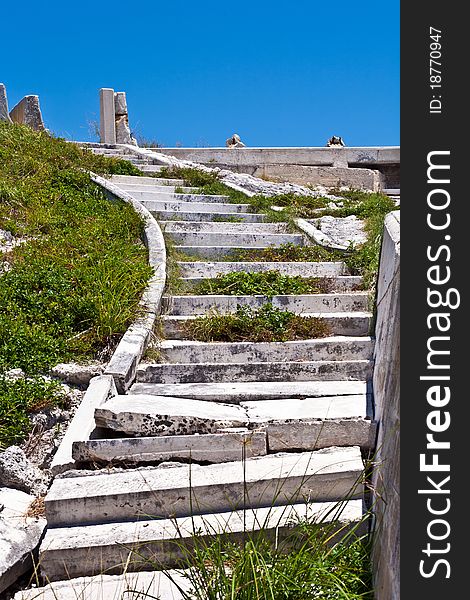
386	479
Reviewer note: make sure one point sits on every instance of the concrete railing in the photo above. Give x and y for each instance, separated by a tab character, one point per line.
386	381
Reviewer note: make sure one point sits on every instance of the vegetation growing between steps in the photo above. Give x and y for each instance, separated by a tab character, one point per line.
269	283
72	286
316	560
266	324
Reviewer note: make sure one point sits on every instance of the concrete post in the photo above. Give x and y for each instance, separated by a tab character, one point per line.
4	114
107	116
28	112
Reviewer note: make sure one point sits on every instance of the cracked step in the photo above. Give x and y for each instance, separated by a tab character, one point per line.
325	475
214	227
206	217
112	547
148	197
228	446
123	180
331	348
236	392
300	303
177	206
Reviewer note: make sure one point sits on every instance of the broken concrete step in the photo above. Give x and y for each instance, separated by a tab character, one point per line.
212	447
164	585
210	216
160	415
219	252
340	323
177	206
161	196
305	303
111	547
325	475
142	180
214	227
208	270
330	348
237	392
326	370
313	423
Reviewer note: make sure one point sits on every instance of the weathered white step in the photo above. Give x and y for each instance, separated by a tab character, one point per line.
209	270
177	206
326	370
160	415
142	180
313	423
325	475
237	392
164	585
238	240
340	323
213	447
151	168
225	217
152	195
330	348
340	284
305	303
134	189
93	549
214	227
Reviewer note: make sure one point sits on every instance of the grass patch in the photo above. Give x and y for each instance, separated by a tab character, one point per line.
269	283
266	324
73	286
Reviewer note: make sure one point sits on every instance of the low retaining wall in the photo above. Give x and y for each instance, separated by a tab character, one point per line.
386	381
371	168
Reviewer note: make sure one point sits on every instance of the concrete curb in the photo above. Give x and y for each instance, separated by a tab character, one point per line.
126	357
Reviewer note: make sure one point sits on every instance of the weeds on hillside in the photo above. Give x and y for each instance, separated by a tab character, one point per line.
73	286
268	283
265	324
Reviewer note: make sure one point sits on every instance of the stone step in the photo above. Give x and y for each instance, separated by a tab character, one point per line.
192	430
238	240
228	446
151	168
138	545
201	372
236	392
340	323
204	227
163	188
177	206
156	196
147	415
147	181
330	474
331	348
305	303
164	585
211	216
218	252
340	284
208	270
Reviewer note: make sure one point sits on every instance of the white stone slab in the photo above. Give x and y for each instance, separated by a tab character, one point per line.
217	447
325	475
161	415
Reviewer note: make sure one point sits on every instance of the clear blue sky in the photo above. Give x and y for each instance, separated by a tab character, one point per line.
278	73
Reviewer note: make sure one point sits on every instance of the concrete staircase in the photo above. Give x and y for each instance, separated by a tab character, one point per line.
257	433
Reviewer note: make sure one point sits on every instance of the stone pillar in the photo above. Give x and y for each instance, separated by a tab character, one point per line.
107	116
123	132
4	114
28	112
